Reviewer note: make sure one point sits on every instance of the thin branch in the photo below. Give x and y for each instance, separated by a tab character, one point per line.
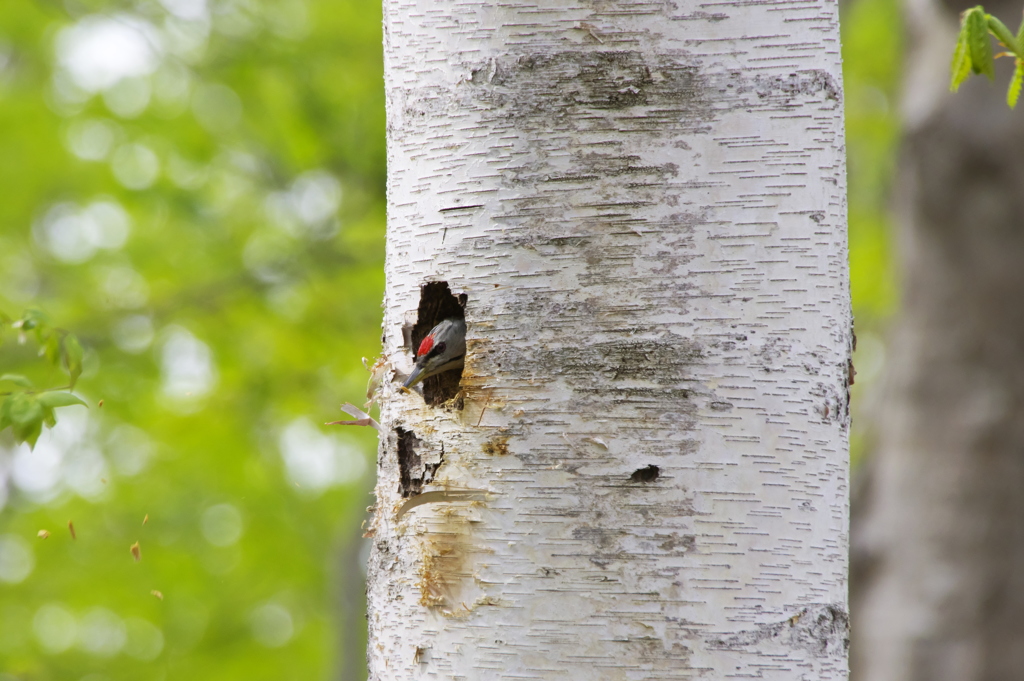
364	419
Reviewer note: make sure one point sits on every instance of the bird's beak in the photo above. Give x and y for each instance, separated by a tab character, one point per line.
414	377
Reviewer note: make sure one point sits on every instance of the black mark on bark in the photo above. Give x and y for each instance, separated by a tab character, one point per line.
848	379
645	474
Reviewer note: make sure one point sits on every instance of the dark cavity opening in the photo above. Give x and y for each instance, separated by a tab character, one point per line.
645	474
413	472
437	303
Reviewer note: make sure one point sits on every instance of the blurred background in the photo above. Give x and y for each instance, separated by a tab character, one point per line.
196	189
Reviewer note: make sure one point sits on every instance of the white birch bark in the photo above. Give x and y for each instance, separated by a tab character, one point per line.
644	205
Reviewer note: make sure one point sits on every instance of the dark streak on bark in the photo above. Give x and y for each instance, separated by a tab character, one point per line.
593	80
662	363
820	629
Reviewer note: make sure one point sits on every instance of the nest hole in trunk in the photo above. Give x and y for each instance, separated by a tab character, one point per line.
437	303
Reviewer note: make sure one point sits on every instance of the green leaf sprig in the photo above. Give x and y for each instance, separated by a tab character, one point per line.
974	54
24	408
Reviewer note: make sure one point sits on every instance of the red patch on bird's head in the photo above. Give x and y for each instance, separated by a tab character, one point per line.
425	346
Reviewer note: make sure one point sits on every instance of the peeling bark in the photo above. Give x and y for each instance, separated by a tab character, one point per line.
645	463
415	469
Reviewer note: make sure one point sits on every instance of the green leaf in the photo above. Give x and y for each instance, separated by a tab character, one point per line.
17	379
49	417
24	409
51	348
58	399
961	66
1013	94
31	434
26	416
72	355
5	413
976	25
32	319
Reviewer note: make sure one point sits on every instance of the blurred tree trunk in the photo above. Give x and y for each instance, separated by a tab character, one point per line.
640	210
939	529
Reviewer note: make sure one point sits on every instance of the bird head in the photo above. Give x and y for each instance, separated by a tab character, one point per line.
443	349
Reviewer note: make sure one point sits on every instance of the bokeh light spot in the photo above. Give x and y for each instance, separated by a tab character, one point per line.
55	628
16	559
91	139
190	10
130	450
145	641
187	366
128	98
122	287
316	461
135	166
222	525
217	108
134	333
99	51
101	633
272	625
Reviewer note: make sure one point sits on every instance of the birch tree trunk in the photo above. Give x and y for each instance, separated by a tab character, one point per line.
639	208
939	537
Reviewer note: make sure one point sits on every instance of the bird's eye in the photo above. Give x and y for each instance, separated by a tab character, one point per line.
439	348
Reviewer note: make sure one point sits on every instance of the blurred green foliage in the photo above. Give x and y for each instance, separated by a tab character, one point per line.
872	52
195	188
872	55
26	407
